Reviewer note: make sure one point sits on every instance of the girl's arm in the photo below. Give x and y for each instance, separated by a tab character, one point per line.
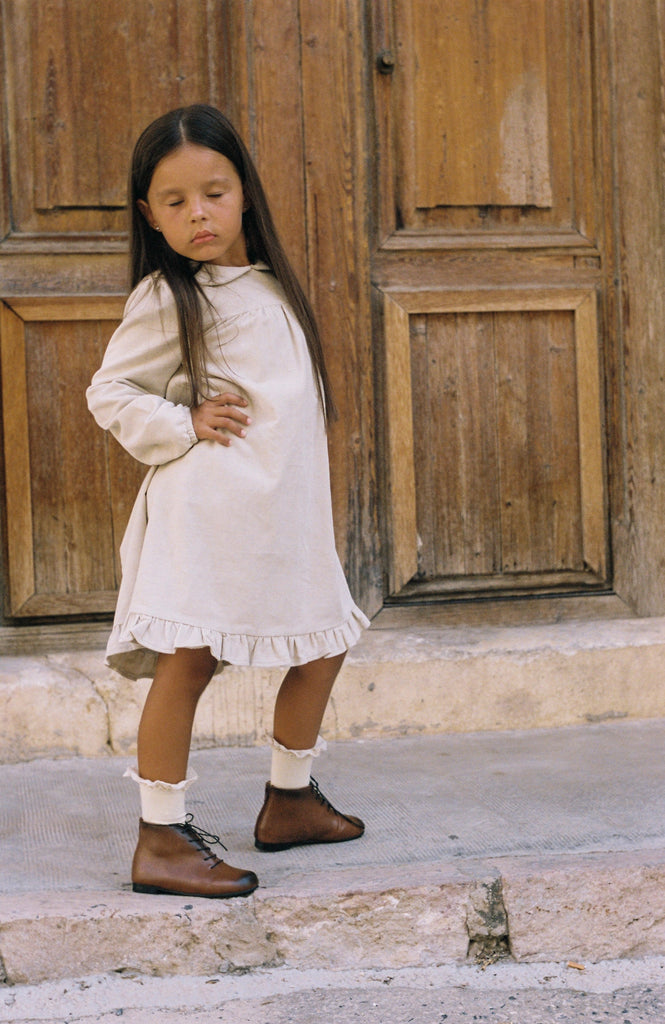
127	394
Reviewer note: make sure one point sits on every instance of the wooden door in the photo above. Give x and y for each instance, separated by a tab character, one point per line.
467	168
79	81
489	274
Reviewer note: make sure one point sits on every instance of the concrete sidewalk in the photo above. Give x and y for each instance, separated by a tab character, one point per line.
615	992
541	845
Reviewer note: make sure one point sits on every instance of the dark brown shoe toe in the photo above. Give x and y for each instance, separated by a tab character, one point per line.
299	817
175	860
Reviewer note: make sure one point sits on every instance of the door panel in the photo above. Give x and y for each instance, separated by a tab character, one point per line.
73	123
507	473
490	115
480	94
68	486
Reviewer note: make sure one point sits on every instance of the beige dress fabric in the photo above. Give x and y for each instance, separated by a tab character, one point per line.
228	548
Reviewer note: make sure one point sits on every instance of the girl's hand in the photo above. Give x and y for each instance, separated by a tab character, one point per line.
221	413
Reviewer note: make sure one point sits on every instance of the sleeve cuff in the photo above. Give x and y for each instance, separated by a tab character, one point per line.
189	426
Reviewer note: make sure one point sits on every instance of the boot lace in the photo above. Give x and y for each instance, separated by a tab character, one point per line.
326	802
200	838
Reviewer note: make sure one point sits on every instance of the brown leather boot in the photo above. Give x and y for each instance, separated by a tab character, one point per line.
295	817
174	860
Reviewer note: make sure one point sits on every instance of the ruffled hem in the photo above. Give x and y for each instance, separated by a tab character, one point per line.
166	787
134	644
300	755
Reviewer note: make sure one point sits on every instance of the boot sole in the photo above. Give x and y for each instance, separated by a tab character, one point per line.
155	890
275	847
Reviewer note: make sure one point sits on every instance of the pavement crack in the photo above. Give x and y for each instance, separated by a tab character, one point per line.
487	922
4	980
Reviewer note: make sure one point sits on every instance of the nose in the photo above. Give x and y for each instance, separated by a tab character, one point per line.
196	211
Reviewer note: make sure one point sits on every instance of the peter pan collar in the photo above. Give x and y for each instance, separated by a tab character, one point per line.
212	274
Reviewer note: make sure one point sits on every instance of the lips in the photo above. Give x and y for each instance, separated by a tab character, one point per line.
203	236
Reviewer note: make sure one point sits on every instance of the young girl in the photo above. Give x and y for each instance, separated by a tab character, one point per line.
216	379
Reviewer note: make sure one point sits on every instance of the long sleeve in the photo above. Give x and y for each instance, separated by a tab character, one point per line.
127	395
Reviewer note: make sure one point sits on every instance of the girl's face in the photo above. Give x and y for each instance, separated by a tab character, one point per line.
196	200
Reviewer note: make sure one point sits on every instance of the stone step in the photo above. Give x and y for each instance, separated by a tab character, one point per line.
462	668
540	845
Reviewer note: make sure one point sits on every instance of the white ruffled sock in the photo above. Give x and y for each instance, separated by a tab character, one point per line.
162	803
291	769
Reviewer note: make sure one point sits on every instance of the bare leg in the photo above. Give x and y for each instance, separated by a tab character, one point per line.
165	730
302	700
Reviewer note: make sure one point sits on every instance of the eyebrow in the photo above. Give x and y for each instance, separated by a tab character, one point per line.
214	182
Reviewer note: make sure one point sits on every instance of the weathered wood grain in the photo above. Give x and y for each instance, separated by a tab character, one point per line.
82	80
273	118
637	448
336	185
504	434
401	479
456	445
18	502
481	106
494	108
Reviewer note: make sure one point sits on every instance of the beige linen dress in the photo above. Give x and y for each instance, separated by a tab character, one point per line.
230	548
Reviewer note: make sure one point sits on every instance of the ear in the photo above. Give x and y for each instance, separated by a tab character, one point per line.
147	213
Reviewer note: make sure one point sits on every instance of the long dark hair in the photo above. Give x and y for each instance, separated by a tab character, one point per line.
149	252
